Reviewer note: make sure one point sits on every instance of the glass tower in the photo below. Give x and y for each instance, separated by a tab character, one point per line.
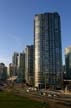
29	57
68	62
48	52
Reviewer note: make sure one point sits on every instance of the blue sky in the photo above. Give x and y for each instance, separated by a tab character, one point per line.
17	26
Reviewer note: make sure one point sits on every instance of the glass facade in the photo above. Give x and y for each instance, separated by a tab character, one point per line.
21	67
48	58
29	57
15	63
68	62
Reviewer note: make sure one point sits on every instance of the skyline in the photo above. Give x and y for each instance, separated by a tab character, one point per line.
17	24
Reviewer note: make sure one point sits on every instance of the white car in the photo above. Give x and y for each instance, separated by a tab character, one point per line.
54	95
27	90
49	95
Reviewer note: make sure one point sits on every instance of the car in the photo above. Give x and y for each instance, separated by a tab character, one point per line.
49	95
54	95
27	90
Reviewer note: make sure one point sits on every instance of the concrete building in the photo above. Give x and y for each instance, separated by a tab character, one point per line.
68	62
29	57
48	51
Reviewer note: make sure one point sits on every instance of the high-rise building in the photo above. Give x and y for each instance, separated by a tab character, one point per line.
29	56
21	67
15	62
12	70
48	51
15	58
3	72
68	62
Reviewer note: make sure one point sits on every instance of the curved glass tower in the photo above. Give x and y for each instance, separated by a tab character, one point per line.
48	53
